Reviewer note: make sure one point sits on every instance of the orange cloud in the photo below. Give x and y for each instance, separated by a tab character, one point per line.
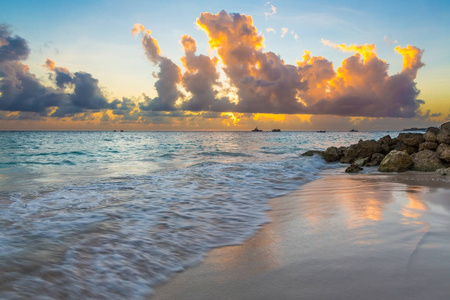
411	59
368	51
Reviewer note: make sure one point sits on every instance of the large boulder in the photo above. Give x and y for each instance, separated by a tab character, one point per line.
444	136
375	160
411	139
400	146
428	145
445	126
332	154
443	152
426	161
362	149
387	144
396	161
431	134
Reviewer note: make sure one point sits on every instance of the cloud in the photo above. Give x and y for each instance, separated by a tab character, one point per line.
200	78
362	86
19	89
86	93
389	41
264	82
273	10
271	30
368	51
168	77
149	44
284	31
257	81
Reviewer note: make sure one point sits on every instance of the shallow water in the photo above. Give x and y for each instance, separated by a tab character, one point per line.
109	215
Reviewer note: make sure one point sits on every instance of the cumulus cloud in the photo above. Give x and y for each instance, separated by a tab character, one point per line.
258	81
362	86
19	89
284	31
271	30
200	78
264	82
86	94
168	76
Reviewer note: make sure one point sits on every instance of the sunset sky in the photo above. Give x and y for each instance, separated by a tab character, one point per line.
224	65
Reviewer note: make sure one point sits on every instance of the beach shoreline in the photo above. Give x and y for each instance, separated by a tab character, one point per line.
343	236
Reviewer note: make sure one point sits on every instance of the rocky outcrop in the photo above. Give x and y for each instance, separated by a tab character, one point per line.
360	150
426	161
416	151
396	161
332	154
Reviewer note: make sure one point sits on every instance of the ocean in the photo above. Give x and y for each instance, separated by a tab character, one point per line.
110	215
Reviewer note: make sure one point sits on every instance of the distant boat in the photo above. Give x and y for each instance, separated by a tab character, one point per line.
353	130
256	129
321	131
276	130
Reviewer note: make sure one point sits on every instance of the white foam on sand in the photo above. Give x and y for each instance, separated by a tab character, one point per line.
368	236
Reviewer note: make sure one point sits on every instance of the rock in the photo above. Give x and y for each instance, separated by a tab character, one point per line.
312	152
411	139
443	171
361	161
431	134
445	126
332	154
426	161
362	149
387	144
428	145
353	169
400	146
375	160
444	136
396	161
443	152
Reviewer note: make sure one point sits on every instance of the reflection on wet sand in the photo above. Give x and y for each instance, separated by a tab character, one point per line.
362	237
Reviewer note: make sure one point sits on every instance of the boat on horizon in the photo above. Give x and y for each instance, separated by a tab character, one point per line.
256	129
354	130
276	130
321	131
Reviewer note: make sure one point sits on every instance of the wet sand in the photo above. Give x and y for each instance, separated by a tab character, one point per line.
369	236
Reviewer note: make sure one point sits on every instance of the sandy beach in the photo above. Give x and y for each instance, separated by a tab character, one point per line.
365	236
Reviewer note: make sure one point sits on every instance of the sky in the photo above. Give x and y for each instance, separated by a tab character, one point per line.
224	65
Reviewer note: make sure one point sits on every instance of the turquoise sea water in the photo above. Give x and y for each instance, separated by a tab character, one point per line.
110	215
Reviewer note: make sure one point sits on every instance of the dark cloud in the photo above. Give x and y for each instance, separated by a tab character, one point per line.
166	87
12	47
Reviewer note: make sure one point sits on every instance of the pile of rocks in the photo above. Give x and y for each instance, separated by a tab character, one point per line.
427	152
